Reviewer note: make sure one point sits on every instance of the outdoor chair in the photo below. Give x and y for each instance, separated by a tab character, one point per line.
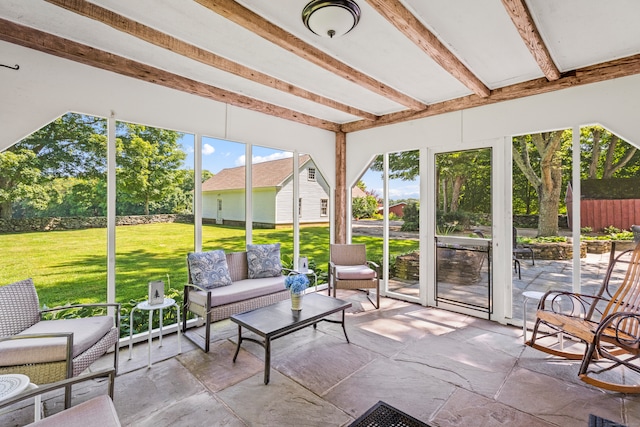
608	324
520	250
51	350
97	411
349	269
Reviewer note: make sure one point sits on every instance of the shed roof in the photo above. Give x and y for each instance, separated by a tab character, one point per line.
265	174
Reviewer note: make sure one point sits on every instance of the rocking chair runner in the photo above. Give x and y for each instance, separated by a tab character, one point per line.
608	324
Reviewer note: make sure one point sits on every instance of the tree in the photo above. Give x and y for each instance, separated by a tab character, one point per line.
20	179
71	145
148	162
364	207
548	180
596	141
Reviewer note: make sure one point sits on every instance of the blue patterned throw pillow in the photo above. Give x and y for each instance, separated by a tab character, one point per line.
264	261
209	269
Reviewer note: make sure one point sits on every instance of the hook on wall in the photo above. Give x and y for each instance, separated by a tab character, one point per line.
15	67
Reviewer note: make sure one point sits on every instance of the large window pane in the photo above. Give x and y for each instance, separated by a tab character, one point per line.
154	206
542	170
404	223
463	225
52	203
223	195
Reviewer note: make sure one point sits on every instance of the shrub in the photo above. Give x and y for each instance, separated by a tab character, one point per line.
364	207
411	217
611	230
586	230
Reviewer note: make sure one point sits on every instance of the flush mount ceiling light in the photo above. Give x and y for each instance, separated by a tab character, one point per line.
331	18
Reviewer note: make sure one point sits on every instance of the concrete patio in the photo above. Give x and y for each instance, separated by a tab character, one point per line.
443	368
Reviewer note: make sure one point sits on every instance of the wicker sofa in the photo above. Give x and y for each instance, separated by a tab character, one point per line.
221	302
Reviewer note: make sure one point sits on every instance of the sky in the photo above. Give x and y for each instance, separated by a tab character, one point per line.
219	154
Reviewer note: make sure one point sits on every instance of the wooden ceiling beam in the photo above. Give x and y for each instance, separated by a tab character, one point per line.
68	49
165	41
522	19
618	68
255	23
414	30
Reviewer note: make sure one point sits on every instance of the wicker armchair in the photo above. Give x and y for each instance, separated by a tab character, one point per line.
349	269
50	350
98	410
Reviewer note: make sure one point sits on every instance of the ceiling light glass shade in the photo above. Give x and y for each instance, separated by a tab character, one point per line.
331	18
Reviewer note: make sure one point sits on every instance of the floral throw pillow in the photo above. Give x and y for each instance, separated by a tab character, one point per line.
263	261
209	269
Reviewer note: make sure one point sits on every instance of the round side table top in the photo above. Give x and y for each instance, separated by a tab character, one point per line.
537	295
144	305
12	384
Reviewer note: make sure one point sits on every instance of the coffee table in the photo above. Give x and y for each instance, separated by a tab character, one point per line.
277	320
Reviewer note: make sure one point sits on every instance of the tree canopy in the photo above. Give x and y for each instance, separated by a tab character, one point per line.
60	170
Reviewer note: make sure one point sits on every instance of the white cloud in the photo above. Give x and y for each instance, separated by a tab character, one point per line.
240	161
207	149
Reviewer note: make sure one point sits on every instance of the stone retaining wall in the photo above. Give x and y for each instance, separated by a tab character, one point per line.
557	250
78	223
531	221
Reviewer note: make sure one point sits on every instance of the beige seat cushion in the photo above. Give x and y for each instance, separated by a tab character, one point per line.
240	291
86	332
354	272
98	411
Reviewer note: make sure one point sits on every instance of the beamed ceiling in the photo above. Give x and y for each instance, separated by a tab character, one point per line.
406	59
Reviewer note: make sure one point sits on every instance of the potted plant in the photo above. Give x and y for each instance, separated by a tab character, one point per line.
296	283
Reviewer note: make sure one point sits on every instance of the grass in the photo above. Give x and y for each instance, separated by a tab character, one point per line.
71	266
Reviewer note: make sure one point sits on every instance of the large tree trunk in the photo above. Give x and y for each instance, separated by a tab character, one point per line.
595	153
549	183
458	182
6	210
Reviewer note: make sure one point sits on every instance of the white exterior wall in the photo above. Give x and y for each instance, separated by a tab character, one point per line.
311	193
232	205
264	205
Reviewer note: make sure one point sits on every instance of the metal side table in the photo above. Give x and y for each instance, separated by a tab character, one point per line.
168	302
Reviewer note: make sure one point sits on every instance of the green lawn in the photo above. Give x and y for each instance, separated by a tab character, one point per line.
70	266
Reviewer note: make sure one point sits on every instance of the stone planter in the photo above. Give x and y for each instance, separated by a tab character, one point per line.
454	266
408	266
598	246
556	250
624	245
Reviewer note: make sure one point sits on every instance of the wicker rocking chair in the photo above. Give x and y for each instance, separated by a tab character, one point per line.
608	324
50	350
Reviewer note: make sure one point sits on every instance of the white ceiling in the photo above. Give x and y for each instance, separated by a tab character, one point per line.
480	33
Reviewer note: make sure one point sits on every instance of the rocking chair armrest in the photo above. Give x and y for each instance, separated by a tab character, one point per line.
626	325
581	305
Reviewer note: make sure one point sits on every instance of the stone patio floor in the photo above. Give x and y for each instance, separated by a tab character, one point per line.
444	368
